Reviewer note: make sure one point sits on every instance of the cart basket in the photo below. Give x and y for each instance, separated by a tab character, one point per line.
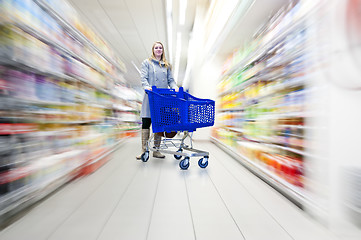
178	111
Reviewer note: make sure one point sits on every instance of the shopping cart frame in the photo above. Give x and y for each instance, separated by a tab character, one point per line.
167	144
177	146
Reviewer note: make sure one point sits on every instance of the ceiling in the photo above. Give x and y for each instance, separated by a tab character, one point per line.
132	26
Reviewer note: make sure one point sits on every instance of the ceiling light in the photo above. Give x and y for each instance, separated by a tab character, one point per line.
182	11
169	28
178	56
230	12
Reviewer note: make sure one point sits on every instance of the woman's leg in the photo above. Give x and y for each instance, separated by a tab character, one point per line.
146	122
157	141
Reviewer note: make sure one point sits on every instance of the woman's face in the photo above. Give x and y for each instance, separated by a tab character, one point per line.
158	50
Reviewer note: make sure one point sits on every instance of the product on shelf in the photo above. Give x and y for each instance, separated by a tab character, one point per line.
262	99
61	114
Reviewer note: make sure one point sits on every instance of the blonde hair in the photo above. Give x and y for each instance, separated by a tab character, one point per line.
163	59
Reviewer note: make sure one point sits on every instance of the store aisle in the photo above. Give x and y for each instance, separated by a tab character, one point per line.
129	199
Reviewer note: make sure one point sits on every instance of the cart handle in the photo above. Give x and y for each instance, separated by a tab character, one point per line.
155	90
180	94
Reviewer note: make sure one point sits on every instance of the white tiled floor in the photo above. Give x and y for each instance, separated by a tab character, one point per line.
131	200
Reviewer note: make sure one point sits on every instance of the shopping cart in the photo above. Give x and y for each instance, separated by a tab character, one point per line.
176	113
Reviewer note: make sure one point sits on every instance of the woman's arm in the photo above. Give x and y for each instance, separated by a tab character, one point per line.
170	79
144	74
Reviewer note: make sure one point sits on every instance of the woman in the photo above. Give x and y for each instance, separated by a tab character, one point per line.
155	71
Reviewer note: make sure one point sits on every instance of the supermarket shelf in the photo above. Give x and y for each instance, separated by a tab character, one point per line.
293	82
131	130
45	39
107	152
240	130
16	162
108	92
88	137
283	115
29	120
123	108
73	31
72	122
261	51
99	160
283	33
20	64
96	105
51	133
290	149
35	120
43	102
238	109
129	120
287	59
20	120
36	163
31	174
294	126
277	145
47	112
294	194
239	87
78	78
274	145
29	194
19	199
16	128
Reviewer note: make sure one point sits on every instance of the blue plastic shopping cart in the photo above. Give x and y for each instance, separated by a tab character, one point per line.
180	112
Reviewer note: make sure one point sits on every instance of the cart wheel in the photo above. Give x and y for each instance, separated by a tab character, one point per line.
203	162
178	156
145	156
184	164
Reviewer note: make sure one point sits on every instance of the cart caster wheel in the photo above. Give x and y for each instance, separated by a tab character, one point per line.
184	164
178	156
145	156
203	162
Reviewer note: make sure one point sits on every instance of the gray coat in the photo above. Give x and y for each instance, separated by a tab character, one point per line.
154	75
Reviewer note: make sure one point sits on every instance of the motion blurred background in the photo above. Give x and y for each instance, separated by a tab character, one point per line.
285	76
